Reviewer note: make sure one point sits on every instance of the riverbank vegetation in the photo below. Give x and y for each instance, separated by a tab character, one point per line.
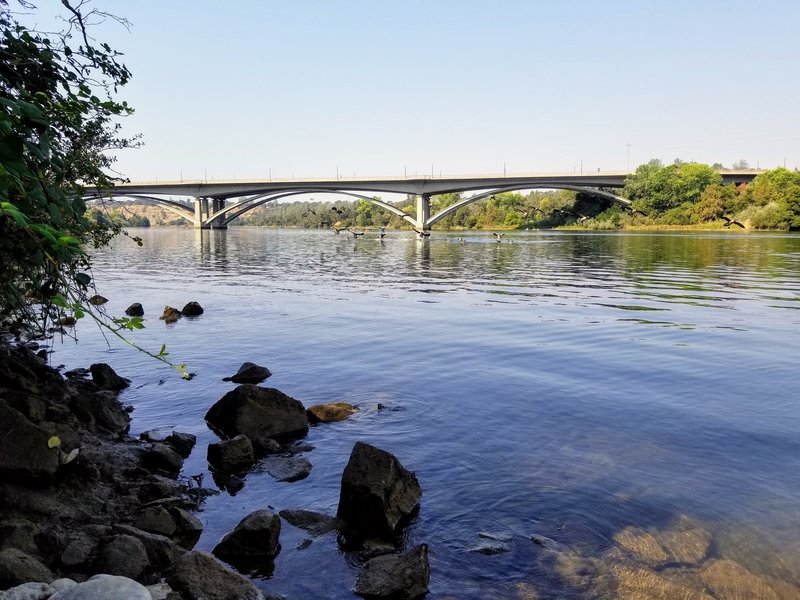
57	123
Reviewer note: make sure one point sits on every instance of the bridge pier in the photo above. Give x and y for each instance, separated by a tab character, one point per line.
423	212
202	214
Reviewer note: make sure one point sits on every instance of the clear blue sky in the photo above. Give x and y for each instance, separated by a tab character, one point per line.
300	88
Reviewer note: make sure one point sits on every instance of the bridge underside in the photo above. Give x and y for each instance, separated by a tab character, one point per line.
210	212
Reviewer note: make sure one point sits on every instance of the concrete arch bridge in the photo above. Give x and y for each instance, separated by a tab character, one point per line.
218	203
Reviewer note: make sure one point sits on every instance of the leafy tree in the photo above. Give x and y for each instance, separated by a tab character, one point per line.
57	122
741	165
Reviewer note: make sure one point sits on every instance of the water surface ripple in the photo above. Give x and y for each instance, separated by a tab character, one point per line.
558	384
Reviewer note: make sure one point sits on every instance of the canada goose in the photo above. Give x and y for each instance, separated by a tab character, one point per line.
357	233
422	234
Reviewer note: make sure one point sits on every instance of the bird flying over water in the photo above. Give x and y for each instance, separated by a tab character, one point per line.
728	222
422	234
357	233
499	236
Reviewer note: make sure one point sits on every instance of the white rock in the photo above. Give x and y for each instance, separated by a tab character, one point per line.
104	587
28	591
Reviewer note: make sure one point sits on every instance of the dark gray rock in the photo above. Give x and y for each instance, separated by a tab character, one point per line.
17	567
161	551
101	409
287	468
377	492
24	450
107	379
123	555
78	552
231	456
395	576
18	533
104	587
255	537
192	309
135	310
189	527
200	575
156	519
262	414
182	443
313	522
160	458
97	300
249	373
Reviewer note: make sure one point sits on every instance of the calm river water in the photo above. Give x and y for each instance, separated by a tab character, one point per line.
565	385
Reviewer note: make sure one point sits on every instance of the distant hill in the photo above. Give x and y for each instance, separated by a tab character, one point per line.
137	214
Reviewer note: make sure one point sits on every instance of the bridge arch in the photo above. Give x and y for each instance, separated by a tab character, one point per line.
170	205
236	210
480	196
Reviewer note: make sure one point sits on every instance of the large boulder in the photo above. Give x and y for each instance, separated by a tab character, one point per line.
34	590
200	575
396	576
262	414
231	456
182	443
103	587
160	458
101	409
255	537
161	551
377	492
249	373
24	449
107	379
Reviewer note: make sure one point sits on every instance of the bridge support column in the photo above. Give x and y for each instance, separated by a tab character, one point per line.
198	213
423	212
216	206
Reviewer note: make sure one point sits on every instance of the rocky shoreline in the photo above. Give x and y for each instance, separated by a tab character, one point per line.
87	511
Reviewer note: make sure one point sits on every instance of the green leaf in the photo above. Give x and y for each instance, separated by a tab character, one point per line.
59	300
83	279
54	442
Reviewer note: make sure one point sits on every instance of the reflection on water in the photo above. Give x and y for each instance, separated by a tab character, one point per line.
589	415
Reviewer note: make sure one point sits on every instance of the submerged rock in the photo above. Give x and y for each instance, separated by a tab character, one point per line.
287	468
684	543
192	309
395	576
377	492
314	523
264	415
330	412
249	373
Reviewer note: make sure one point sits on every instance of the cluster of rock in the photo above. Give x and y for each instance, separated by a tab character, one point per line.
377	498
79	497
170	314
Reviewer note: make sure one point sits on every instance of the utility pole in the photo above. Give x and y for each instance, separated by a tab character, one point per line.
629	155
